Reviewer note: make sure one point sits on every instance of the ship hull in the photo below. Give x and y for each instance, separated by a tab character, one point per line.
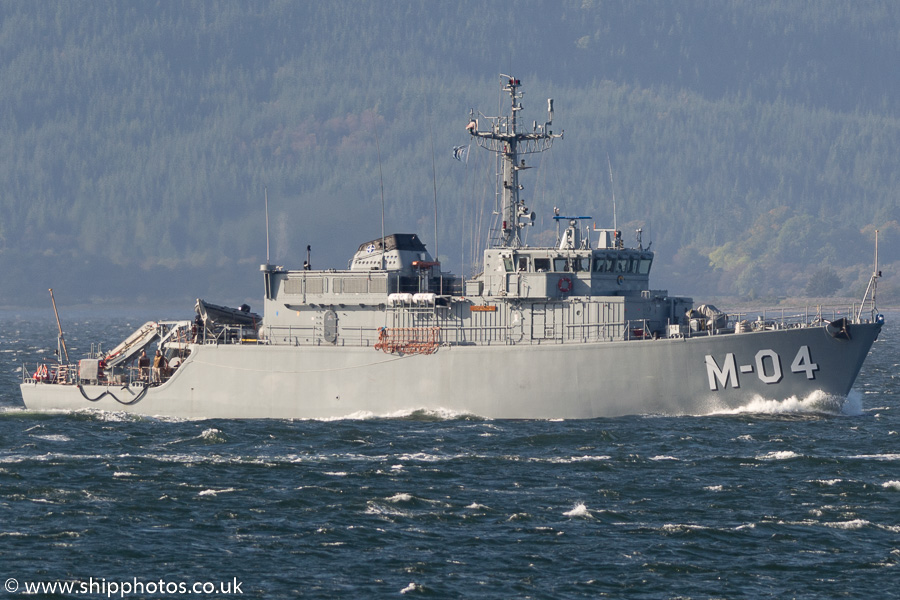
695	375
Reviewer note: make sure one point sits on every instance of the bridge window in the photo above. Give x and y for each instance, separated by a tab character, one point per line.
523	263
560	264
646	261
635	264
542	265
622	265
508	264
581	263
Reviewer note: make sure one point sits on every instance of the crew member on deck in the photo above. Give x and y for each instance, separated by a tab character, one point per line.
196	329
144	366
159	367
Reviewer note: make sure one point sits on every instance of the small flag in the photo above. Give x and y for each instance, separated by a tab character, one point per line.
461	153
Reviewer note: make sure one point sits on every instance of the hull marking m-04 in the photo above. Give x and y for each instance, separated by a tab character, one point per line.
766	365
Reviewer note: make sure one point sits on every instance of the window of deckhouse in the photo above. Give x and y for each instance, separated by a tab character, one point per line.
610	263
581	263
523	263
635	264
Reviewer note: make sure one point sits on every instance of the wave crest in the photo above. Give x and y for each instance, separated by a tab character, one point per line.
816	403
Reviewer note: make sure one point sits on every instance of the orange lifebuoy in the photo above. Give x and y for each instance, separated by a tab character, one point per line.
620	279
564	285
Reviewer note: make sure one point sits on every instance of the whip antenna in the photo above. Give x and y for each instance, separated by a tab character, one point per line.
381	178
266	190
612	185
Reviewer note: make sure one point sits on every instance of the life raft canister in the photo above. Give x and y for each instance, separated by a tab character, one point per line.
564	285
41	372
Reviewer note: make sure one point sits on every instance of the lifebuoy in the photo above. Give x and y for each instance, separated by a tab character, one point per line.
620	279
564	285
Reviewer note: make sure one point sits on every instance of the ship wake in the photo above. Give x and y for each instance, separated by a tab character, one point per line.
410	414
815	403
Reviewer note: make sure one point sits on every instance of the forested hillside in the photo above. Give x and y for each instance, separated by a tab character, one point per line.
756	143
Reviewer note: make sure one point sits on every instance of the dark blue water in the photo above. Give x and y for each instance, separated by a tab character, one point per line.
783	502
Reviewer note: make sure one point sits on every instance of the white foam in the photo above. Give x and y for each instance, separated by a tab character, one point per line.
817	402
779	455
436	414
714	488
852	525
682	527
212	435
377	509
517	516
422	457
664	457
16	409
580	510
215	492
564	460
412	587
889	456
400	498
54	437
108	416
891	485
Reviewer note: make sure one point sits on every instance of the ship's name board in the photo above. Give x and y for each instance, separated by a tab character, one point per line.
766	365
483	308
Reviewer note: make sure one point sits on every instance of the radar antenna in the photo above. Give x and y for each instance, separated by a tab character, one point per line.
504	138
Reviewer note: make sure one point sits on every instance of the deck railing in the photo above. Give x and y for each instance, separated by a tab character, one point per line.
782	318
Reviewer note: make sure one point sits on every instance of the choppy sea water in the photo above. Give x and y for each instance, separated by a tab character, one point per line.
774	501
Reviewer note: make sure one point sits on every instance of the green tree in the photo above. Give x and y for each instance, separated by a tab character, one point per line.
823	283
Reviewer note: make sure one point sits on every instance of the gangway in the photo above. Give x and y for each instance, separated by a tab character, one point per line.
133	344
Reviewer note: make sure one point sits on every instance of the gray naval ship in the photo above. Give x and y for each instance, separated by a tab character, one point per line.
571	331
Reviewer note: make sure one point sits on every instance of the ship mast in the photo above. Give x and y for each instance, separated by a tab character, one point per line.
504	138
